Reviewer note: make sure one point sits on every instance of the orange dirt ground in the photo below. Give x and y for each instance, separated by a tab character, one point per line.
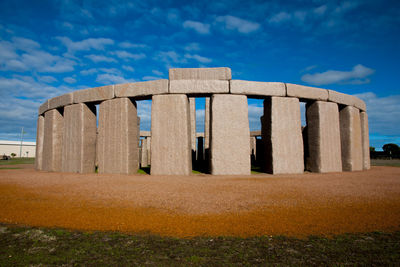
205	205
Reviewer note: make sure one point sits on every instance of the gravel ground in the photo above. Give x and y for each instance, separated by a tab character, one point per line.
198	205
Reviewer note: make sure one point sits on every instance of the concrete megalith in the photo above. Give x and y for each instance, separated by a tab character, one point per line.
351	139
148	150
52	140
118	137
365	140
281	134
323	135
171	138
192	103
39	143
144	154
79	139
230	135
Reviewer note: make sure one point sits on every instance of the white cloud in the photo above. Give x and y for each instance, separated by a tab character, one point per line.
88	72
128	68
280	17
107	78
47	79
198	58
357	75
320	10
144	112
131	45
150	78
171	56
199	27
69	80
126	55
100	58
192	47
85	45
238	24
255	110
157	72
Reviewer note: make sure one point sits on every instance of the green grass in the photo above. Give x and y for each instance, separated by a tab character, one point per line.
23	246
385	162
9	168
18	161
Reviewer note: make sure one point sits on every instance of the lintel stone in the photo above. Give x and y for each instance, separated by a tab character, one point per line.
200	74
145	133
44	107
306	92
198	86
94	94
147	88
257	88
61	101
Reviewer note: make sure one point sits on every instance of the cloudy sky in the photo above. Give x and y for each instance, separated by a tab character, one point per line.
48	48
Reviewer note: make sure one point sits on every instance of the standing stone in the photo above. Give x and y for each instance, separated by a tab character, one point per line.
365	140
118	137
39	143
143	158
170	132
79	140
282	138
192	103
323	135
230	135
52	140
253	149
351	140
207	124
148	139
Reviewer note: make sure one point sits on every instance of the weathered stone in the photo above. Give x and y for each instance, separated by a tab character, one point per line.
61	101
144	154
358	103
306	92
145	133
351	140
94	94
207	124
148	150
118	141
253	145
170	132
230	135
200	74
255	133
200	135
79	140
257	88
365	140
348	100
198	86
39	143
192	103
138	89
44	107
282	138
52	140
323	132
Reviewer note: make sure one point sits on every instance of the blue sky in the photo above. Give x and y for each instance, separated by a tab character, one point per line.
48	48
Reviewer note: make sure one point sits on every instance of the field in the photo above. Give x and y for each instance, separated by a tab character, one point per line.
310	219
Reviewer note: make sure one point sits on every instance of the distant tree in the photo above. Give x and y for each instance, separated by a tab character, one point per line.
371	149
391	149
13	155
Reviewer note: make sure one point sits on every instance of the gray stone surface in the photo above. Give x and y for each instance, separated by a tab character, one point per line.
282	137
118	141
365	140
52	140
79	140
348	100
145	133
144	154
94	94
170	133
351	139
148	150
44	107
200	74
61	101
207	124
306	92
360	104
230	135
323	131
257	88
138	89
192	103
198	86
39	143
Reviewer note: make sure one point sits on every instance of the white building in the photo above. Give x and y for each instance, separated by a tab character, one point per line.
8	147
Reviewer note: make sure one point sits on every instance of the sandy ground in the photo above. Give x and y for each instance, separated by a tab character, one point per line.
186	206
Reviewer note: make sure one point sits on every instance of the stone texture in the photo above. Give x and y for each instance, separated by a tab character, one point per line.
192	103
79	140
365	140
61	101
255	133
170	132
200	74
348	100
44	107
39	143
94	94
358	103
253	148
230	135
148	150
257	88
145	133
306	92
207	124
144	154
323	135
198	86
351	140
139	89
52	140
118	137
282	138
